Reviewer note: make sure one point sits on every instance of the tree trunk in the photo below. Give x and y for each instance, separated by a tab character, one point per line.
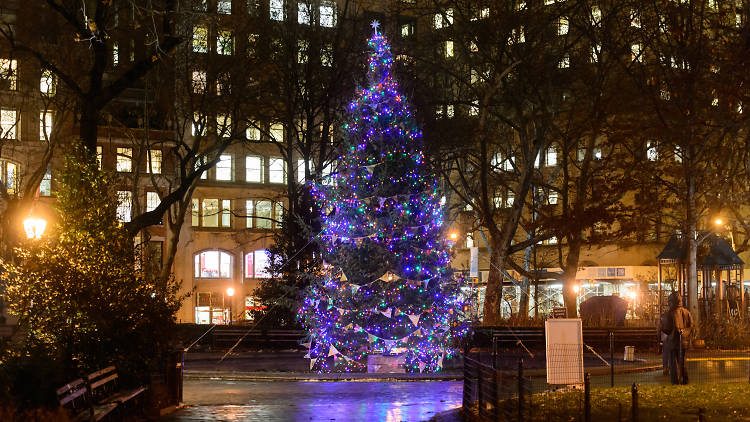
523	303
172	228
570	297
692	251
89	125
494	294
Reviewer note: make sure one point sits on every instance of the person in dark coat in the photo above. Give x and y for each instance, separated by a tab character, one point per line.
663	342
678	326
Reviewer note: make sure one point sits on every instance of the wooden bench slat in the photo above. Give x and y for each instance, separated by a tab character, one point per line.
125	396
103	410
100	372
69	386
72	396
98	383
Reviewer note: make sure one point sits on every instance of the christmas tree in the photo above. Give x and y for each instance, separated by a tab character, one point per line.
386	287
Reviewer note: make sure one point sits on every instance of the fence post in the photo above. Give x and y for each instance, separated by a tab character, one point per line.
587	397
520	390
634	408
611	358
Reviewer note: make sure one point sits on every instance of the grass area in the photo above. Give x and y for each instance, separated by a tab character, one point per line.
722	402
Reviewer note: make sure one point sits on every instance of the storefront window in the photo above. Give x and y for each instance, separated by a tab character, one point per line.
213	264
256	264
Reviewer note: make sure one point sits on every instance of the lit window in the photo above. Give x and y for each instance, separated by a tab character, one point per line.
326	55
277	132
223	125
327	14
406	30
124	160
45	187
677	154
474	108
252	132
635	53
302	51
195	213
154	161
301	171
8	123
712	4
224	168
198	125
596	15
509	198
256	264
115	54
438	20
152	201
651	153
200	39
449	111
517	36
469	241
8	74
276	10
213	264
596	51
45	125
278	212
327	175
47	83
738	20
303	13
276	170
253	169
562	26
564	62
99	154
199	81
551	158
635	20
548	2
224	6
226	213
224	42
449	48
124	205
552	198
262	214
597	153
249	212
485	12
8	175
551	241
210	212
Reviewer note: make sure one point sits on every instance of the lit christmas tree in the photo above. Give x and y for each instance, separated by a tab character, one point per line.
386	287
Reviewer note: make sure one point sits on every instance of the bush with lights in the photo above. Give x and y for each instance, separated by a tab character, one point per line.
386	287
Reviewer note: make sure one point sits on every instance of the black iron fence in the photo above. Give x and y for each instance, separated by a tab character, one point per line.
591	384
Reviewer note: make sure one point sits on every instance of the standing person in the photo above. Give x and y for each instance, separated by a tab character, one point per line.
663	343
679	326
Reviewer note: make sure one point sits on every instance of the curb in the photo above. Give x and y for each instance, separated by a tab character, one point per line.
254	377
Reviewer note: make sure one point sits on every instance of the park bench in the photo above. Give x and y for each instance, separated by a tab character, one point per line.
104	388
75	397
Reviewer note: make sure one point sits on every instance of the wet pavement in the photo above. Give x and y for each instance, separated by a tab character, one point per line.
220	400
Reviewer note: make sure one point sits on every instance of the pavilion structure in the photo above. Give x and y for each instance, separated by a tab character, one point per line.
719	270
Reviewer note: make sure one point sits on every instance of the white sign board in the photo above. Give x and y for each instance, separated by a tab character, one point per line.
564	341
474	262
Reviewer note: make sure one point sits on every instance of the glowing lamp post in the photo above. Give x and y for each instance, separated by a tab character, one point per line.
34	227
230	293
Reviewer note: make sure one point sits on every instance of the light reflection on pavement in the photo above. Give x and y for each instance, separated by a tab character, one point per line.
218	400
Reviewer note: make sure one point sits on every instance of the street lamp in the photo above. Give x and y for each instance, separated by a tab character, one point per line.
34	227
720	224
230	293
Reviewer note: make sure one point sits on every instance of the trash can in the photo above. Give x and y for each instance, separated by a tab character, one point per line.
629	354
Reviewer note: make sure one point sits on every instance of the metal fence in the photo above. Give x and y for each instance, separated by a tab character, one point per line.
511	384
